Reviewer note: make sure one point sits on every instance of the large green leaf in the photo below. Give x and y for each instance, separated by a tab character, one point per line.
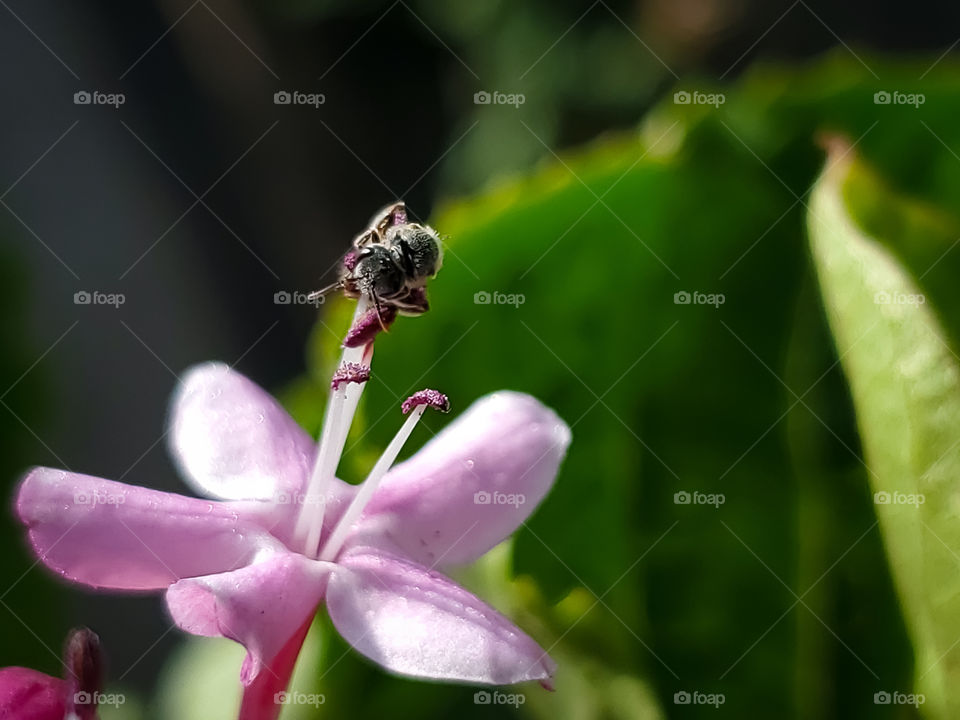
905	383
691	397
600	321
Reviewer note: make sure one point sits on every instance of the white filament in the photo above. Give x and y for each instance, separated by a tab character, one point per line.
369	486
338	417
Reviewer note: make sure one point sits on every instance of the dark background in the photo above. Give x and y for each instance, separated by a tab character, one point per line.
199	198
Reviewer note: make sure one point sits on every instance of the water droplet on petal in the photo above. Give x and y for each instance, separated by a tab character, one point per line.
469	464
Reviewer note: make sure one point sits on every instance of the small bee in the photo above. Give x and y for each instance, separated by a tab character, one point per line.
390	263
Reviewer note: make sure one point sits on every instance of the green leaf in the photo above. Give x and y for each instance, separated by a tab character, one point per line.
905	384
585	685
712	200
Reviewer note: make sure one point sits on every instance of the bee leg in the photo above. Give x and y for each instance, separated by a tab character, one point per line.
415	302
376	304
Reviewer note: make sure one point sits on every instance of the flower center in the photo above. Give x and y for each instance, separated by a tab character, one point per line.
416	405
346	386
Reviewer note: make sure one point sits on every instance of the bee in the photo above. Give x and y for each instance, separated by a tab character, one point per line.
390	263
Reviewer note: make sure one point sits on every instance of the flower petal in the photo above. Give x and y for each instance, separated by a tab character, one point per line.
260	606
416	622
26	694
233	441
111	535
472	485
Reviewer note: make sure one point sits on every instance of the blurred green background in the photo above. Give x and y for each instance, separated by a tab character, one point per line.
663	152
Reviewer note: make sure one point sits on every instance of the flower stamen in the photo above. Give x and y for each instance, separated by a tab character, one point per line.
367	326
435	399
416	405
341	407
350	373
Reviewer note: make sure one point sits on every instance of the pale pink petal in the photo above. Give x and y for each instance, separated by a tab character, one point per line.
472	485
416	622
26	694
232	440
260	606
110	535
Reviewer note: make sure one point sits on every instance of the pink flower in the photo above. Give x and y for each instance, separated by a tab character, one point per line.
27	694
283	534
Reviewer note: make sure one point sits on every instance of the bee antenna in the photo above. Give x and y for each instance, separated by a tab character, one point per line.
317	294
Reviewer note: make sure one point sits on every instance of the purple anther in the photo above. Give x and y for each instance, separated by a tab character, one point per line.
365	329
350	373
434	398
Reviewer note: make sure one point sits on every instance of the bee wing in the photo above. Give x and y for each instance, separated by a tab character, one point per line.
393	214
367	237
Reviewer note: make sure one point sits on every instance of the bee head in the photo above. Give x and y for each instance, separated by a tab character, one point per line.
376	271
419	249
